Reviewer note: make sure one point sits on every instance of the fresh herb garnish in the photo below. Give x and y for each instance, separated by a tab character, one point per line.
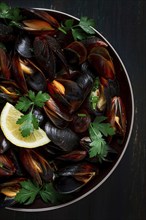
94	98
13	14
81	30
29	191
97	130
82	115
28	121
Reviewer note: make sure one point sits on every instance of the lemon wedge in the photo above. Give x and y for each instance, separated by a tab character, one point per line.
8	118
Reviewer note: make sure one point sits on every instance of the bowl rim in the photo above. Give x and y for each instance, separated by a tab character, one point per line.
126	144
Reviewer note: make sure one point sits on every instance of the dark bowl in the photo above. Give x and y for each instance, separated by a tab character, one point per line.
126	94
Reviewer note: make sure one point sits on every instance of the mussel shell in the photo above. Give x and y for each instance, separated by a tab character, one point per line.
6	201
36	165
44	16
103	66
67	185
75	53
4	143
57	115
45	57
72	178
92	42
66	139
23	46
7	167
74	156
4	64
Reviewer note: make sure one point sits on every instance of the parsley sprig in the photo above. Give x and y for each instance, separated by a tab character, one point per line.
13	14
94	98
98	130
81	30
30	191
28	121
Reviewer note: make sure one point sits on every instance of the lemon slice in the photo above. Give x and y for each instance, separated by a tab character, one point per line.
9	116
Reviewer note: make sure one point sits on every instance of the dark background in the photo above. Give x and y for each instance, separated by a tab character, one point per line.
123	195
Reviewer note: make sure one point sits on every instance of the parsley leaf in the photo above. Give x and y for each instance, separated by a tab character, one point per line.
94	98
40	99
29	191
13	14
48	193
28	121
23	104
97	130
80	31
105	128
86	23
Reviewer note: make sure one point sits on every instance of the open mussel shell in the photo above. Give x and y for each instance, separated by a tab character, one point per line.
8	191
72	178
127	97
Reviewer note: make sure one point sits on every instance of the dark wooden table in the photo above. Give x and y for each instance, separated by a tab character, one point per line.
123	195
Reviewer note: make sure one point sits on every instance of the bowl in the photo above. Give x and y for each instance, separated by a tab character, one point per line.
126	95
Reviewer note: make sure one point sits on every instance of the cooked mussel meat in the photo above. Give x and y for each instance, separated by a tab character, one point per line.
8	191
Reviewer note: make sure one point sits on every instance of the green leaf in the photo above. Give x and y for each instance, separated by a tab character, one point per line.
98	148
98	144
31	95
86	23
69	23
78	34
23	104
99	119
35	122
94	98
13	14
105	128
28	124
27	193
49	194
41	98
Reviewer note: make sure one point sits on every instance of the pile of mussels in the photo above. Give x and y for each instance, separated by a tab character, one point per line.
39	59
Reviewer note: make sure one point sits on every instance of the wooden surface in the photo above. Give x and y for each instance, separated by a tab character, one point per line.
123	195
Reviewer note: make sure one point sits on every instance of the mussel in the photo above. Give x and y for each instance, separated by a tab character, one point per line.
4	64
36	165
66	139
72	178
117	115
8	191
7	167
57	115
100	59
4	143
47	51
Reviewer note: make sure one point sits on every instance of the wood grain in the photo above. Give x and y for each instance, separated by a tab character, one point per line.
123	195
